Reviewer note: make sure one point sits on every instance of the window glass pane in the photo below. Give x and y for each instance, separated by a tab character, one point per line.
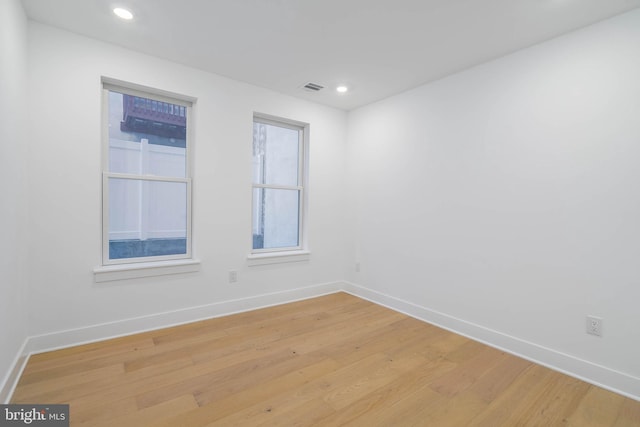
146	136
147	218
275	218
275	155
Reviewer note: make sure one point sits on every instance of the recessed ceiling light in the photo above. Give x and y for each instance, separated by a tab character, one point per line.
123	13
342	89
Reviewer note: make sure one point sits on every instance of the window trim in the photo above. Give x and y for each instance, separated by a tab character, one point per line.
108	273
107	85
278	257
302	188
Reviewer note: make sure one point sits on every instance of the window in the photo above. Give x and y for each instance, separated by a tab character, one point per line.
146	177
278	185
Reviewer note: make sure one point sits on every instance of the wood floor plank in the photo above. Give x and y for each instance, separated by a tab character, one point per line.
86	353
213	408
34	391
468	371
310	391
567	392
101	414
599	407
376	379
228	380
513	406
497	379
456	411
94	349
410	410
335	360
629	414
411	385
63	368
147	416
285	332
309	413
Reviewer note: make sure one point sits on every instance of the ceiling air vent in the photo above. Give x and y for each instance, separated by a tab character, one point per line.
313	87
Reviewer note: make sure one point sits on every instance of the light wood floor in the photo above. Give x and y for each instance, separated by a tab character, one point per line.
329	361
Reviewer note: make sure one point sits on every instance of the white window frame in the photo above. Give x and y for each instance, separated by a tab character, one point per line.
293	252
158	95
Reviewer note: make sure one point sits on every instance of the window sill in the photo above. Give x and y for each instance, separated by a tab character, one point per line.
110	273
278	257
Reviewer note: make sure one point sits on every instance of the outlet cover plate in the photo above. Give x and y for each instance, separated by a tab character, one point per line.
233	276
594	325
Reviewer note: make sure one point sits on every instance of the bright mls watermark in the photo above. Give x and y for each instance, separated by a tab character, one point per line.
34	415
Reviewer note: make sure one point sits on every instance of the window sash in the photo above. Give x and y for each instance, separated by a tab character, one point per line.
106	176
301	199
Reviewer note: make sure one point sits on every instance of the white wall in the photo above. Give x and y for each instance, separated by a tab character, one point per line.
65	187
13	188
508	196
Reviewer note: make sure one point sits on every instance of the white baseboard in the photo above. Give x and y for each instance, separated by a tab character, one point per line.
592	373
10	381
72	337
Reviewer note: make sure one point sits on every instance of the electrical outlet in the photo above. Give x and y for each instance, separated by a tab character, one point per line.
594	325
358	267
233	276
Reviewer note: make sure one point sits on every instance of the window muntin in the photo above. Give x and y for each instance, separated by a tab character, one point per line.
146	184
278	190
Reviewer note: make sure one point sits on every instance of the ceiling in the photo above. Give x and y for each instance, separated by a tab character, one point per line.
376	47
